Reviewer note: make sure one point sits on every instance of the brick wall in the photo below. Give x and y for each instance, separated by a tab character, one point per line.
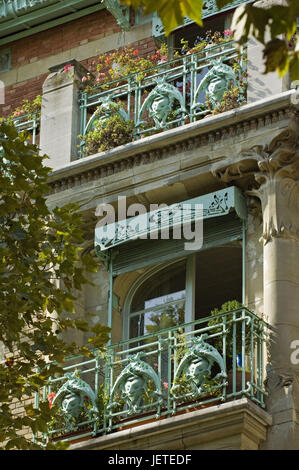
14	94
58	39
62	38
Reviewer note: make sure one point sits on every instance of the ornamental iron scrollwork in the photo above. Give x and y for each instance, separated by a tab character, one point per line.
160	103
71	397
106	110
133	382
196	366
215	82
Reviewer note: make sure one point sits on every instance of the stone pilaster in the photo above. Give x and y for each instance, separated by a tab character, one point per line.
272	174
60	116
278	192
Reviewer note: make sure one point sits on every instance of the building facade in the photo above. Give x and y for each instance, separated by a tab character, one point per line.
198	260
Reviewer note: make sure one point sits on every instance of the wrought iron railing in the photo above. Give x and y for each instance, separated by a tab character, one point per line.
186	367
171	94
29	123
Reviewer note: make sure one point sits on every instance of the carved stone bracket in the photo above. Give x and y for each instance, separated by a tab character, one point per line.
274	172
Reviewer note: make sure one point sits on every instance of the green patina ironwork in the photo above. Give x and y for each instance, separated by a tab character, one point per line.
156	375
28	123
216	82
171	94
107	109
209	8
196	365
216	204
160	103
132	383
70	399
120	13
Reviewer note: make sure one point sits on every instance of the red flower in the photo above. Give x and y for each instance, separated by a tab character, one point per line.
51	397
67	68
135	52
107	60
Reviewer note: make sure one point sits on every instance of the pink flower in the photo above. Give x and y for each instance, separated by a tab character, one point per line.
156	364
163	59
18	113
228	32
84	79
165	384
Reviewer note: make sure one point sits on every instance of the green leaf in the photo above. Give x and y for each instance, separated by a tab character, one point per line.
276	56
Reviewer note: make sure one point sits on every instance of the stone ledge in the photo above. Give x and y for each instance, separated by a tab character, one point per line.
238	424
194	135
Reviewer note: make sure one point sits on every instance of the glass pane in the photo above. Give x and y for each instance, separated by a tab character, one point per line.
218	278
160	301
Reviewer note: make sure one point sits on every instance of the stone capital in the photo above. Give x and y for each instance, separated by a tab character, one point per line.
271	173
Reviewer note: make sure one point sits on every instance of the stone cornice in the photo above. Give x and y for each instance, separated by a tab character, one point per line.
206	428
210	130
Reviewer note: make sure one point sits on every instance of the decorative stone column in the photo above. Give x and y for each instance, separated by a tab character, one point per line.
279	195
272	174
60	116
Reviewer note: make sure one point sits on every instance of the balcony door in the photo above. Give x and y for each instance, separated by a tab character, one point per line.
184	290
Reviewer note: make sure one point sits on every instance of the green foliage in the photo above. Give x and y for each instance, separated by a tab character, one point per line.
28	108
40	268
116	131
280	53
230	100
218	343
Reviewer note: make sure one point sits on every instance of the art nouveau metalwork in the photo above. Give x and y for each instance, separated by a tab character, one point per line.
196	366
70	399
160	103
218	203
104	111
172	94
149	367
218	80
132	384
209	8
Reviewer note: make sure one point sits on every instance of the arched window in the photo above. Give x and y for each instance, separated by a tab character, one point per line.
185	290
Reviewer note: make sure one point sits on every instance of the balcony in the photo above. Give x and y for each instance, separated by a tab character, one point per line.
29	123
171	94
169	372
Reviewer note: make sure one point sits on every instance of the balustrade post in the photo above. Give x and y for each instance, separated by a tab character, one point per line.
60	114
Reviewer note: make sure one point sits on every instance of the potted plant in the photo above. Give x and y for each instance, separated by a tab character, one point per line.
116	131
